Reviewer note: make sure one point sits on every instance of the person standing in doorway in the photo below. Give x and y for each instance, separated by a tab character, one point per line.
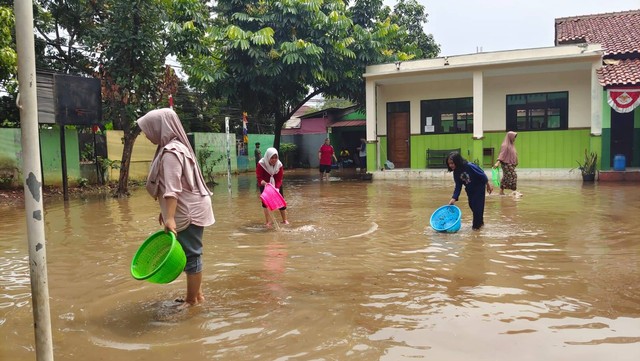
257	153
326	155
475	181
508	158
176	181
362	154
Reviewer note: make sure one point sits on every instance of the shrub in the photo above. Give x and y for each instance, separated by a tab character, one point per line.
8	173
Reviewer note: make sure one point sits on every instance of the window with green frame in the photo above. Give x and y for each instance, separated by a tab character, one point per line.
446	116
538	111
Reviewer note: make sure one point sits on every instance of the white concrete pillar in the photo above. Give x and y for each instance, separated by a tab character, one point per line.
596	100
371	105
478	100
371	100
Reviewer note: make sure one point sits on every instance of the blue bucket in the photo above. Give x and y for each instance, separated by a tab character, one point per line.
619	162
446	219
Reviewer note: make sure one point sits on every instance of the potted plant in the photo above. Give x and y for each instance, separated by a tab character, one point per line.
588	166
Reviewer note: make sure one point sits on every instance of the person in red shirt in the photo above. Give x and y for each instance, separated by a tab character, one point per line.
270	170
326	155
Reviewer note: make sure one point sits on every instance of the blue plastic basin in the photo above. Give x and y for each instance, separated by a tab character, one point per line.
446	219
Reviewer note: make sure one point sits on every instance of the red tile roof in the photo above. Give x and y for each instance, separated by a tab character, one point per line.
348	123
618	33
620	72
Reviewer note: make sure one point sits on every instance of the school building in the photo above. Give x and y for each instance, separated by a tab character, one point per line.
581	94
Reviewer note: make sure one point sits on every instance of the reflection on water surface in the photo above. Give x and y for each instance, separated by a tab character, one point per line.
358	275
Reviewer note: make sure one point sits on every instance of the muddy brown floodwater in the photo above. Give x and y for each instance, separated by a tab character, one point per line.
357	275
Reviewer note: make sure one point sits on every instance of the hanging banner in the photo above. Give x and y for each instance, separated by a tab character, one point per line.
245	136
623	100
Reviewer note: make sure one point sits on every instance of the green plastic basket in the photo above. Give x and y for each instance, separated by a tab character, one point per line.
160	259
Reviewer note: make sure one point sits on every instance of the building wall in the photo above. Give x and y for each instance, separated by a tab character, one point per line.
537	149
215	144
265	140
141	157
414	93
577	83
496	89
144	151
10	156
549	149
308	146
50	153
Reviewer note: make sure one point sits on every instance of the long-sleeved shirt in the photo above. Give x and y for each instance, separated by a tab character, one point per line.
263	175
193	207
473	178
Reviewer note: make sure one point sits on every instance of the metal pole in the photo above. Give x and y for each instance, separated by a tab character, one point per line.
95	157
63	162
31	171
226	127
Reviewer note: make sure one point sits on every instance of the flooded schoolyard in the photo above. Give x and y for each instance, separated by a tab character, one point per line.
357	275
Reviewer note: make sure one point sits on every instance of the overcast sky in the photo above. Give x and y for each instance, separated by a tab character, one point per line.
465	26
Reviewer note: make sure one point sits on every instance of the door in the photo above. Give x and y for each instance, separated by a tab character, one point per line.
398	139
621	135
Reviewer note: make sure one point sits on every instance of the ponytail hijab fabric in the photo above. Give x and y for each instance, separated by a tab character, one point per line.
163	128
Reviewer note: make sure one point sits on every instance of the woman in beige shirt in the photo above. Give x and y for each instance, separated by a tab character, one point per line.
176	181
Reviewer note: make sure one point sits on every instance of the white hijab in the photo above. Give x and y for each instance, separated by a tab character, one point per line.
271	169
163	128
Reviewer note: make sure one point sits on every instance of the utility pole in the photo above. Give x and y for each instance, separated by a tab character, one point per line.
31	173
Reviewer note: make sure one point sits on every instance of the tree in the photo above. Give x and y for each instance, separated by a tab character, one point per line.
412	17
197	113
272	56
332	102
63	29
125	44
8	55
9	114
132	38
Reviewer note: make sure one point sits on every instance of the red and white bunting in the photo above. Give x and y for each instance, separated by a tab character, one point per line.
623	100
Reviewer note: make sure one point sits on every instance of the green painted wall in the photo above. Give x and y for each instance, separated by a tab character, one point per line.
265	140
52	157
10	160
11	148
548	149
217	144
11	152
605	150
372	162
420	144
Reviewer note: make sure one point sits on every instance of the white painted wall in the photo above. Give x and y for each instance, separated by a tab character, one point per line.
414	93
496	88
577	83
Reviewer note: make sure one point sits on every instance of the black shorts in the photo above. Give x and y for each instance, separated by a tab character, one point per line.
325	168
191	241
